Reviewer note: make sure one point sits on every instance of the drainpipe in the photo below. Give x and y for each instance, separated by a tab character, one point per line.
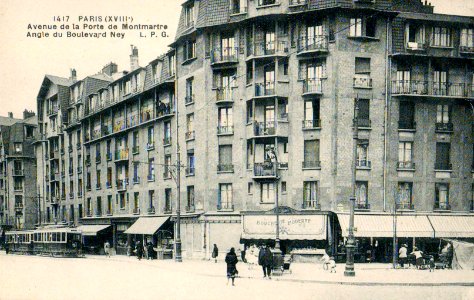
386	109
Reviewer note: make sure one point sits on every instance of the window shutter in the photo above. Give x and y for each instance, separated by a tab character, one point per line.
219	205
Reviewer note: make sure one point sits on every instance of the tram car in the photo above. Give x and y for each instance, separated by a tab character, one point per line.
58	242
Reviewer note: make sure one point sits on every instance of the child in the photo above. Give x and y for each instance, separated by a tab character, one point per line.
332	264
432	263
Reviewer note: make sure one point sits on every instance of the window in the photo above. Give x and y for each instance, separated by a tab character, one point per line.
226	122
415	36
283	186
97	176
136	202
443	156
167	200
361	194
189	126
151	137
89	207
249	73
267	192
18	201
71	213
189	15
151	199
249	154
109	177
109	205
225	196
190	198
249	111
121	200
404	195
363	27
311	114
362	154
191	164
228	47
250	188
442	196
29	131
99	206
443	113
266	2
151	169
405	155
167	166
467	39
406	115
362	65
172	64
310	194
238	6
363	117
189	91
311	154
225	159
167	133
18	184
17	148
189	50
441	37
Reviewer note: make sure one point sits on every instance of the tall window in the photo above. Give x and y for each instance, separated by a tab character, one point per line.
151	136
136	201
189	90
167	166
443	114
311	113
97	176
442	196
363	154
405	159
151	169
443	156
190	163
406	115
363	118
311	154
190	198
310	194
167	133
168	200
228	47
362	199
189	15
226	122
440	85
267	192
404	195
225	158
415	36
363	27
467	39
99	206
151	199
355	28
225	196
441	37
190	126
189	50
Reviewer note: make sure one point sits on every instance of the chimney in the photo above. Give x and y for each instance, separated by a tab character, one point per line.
10	115
110	68
73	75
134	58
28	114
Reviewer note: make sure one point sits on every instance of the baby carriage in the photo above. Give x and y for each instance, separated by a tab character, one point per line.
287	259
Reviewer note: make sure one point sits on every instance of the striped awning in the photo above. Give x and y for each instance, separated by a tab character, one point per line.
147	225
383	225
91	230
452	226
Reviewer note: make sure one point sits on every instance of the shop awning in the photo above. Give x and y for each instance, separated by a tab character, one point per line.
382	226
91	230
147	225
292	227
453	226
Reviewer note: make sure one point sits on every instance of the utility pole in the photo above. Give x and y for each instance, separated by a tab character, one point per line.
178	257
395	240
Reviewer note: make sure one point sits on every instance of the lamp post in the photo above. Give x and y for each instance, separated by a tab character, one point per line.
350	245
177	237
395	239
278	261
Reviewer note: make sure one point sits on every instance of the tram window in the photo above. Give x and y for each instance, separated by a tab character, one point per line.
63	237
50	237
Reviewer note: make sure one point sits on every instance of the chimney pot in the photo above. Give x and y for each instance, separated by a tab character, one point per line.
10	115
73	75
134	58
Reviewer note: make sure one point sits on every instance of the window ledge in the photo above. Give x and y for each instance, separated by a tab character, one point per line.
189	60
224	134
406	130
273	202
268	6
364	38
364	128
442	47
315	168
406	169
225	172
189	103
443	171
364	168
238	14
311	128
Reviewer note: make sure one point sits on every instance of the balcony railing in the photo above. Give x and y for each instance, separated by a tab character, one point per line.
136	211
109	212
313	86
264	128
227	129
225	206
146	115
362	206
363	163
98	186
405	165
190	208
311	204
132	120
79	170
167	141
266	169
406	125
237	9
188	99
167	173
225	168
311	124
121	154
265	89
18	172
466	49
442	206
364	123
441	166
78	146
316	164
150	177
88	160
225	55
89	213
108	156
313	44
107	129
122	184
108	184
430	88
225	94
71	195
270	48
69	148
189	135
97	159
164	109
444	127
151	210
167	209
190	171
136	179
405	206
135	149
362	81
149	146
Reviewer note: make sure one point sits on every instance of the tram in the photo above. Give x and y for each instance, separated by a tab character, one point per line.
58	242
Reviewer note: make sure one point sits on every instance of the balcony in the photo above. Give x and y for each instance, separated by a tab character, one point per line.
433	89
107	129
71	171
311	124
136	149
416	46
149	177
119	125
312	87
406	125
108	156
265	170
167	141
122	184
442	206
263	89
54	154
190	208
18	172
69	148
362	206
223	130
466	49
188	99
136	211
97	159
225	95
362	82
405	165
149	146
363	164
226	55
189	171
88	160
444	127
52	111
78	146
269	49
151	210
405	206
269	128
164	110
121	155
311	204
225	206
98	186
71	195
79	170
225	168
189	135
311	164
108	184
441	166
54	176
312	45
167	209
132	121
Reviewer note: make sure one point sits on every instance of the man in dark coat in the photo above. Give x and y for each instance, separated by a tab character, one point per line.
215	253
265	259
149	248
231	261
139	250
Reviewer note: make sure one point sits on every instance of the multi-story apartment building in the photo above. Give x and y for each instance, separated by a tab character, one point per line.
18	197
262	101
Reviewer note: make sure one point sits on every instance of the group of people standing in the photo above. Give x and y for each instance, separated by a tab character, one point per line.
137	248
445	256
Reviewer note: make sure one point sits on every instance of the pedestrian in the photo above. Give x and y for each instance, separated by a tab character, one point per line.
139	249
231	261
418	256
215	253
149	247
450	255
265	259
432	263
325	259
402	255
107	248
332	264
242	255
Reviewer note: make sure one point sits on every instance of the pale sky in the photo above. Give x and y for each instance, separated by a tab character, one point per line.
24	61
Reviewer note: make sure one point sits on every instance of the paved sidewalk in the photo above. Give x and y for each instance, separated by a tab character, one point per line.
366	274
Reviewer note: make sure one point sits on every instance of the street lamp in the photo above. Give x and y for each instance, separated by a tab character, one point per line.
278	261
350	245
